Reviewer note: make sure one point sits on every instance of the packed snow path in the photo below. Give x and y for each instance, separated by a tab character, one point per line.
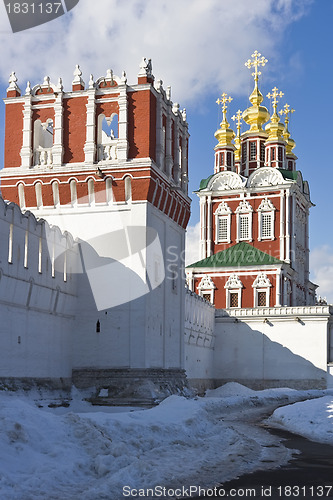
80	453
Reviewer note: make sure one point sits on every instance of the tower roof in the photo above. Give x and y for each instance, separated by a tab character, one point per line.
241	254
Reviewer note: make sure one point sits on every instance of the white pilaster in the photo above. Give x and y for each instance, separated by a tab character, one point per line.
209	226
90	146
168	145
57	148
122	146
278	289
282	225
203	227
26	150
287	226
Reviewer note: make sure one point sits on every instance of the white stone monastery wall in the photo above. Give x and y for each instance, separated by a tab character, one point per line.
37	297
274	346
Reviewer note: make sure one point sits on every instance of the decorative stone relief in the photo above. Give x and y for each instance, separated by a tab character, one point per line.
233	282
206	283
261	281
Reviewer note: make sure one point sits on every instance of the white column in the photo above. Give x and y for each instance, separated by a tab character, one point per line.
90	146
293	230
168	145
159	134
282	225
209	226
202	227
278	289
287	226
122	146
57	148
26	150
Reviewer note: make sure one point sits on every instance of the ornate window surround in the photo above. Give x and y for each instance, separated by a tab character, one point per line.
233	285
223	211
266	207
206	287
261	284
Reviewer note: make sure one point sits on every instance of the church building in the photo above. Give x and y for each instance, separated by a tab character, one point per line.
254	212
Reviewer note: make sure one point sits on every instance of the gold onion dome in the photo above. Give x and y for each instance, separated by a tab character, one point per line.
224	134
256	115
275	128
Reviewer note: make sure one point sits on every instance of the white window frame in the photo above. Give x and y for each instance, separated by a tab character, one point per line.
261	284
223	211
266	207
233	285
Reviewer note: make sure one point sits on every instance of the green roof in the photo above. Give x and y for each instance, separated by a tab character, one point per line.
241	254
288	174
204	182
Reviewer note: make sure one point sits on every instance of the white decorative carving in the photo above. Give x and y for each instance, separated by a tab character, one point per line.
175	108
206	283
12	82
266	206
145	67
233	282
184	115
225	181
265	176
91	81
28	89
244	207
77	76
223	209
261	281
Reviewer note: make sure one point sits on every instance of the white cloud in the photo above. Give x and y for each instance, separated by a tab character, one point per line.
192	253
194	45
321	265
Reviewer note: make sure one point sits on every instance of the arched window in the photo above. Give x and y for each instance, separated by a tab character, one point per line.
39	197
233	288
55	192
72	186
21	195
91	192
43	142
128	189
107	137
108	188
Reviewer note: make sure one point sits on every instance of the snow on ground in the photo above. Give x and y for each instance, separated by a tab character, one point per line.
88	453
312	419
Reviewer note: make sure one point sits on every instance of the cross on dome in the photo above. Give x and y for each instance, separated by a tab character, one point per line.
274	95
257	60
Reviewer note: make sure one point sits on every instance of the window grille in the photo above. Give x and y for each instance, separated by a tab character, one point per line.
262	299
244	227
253	151
266	225
222	234
233	299
262	151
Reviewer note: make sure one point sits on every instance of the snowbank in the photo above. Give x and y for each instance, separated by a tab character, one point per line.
229	389
312	419
79	452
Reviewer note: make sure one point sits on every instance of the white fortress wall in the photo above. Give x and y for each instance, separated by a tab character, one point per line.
37	297
274	346
199	339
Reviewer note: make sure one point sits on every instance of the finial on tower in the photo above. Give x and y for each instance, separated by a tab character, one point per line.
286	134
224	135
78	83
145	74
256	115
274	95
238	119
225	99
13	87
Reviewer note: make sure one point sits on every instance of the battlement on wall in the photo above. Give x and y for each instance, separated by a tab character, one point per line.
37	263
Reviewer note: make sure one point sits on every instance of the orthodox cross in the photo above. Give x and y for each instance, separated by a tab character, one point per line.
224	101
286	111
257	60
274	95
238	119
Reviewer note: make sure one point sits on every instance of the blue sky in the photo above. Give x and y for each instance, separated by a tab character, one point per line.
200	48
